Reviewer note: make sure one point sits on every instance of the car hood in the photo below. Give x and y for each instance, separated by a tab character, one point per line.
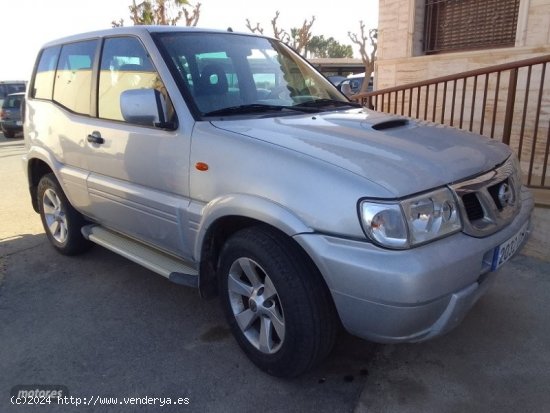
402	155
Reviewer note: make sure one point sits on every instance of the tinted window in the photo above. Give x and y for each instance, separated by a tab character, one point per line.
9	88
16	88
125	65
73	79
12	102
45	73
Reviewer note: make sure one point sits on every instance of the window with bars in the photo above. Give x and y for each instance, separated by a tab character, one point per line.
453	25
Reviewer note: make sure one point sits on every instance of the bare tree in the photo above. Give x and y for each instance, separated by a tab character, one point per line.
163	12
192	18
368	58
255	29
117	23
302	36
279	34
297	38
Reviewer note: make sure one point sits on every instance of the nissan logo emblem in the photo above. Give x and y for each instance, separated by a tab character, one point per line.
505	195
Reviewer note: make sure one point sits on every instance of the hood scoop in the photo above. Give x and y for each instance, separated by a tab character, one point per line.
390	124
401	155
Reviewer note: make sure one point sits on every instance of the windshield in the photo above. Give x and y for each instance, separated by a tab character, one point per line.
226	74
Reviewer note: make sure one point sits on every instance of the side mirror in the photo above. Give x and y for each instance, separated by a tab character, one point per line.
144	107
345	88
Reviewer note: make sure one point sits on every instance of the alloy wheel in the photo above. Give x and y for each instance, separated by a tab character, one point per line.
56	219
256	306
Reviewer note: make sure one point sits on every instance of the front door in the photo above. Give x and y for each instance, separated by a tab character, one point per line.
138	182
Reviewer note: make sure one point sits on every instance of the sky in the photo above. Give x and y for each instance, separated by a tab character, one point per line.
27	24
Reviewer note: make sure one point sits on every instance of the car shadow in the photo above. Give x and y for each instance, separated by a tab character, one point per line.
104	322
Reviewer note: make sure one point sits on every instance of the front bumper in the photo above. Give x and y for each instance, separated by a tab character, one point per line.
411	295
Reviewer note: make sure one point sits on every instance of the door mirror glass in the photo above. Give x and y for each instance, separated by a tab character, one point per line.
145	107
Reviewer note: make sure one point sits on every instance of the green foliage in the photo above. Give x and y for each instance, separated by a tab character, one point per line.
163	12
318	46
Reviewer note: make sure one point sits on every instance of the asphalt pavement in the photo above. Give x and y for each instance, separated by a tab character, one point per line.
106	328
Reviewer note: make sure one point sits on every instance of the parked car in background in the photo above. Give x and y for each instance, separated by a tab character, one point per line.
336	79
10	115
8	87
226	162
353	83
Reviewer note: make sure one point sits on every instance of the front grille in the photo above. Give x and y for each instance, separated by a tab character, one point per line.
473	207
489	202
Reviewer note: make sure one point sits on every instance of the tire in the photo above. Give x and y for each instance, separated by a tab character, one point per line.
276	303
61	221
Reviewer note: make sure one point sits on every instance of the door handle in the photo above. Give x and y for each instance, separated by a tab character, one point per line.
95	137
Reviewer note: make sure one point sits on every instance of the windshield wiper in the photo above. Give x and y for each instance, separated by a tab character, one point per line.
256	108
319	103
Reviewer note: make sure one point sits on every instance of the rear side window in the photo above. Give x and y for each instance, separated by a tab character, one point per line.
45	73
73	79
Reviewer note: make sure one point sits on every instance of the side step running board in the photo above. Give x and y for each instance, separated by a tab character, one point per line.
154	260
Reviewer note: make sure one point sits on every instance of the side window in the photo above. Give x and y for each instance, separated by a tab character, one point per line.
125	65
45	74
73	83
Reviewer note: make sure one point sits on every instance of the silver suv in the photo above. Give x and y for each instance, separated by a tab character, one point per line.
225	162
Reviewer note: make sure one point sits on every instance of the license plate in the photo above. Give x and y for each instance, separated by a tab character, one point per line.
507	249
19	123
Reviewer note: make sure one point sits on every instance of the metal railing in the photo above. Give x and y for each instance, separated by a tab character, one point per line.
508	102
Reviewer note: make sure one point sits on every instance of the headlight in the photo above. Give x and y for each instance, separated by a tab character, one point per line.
384	224
412	221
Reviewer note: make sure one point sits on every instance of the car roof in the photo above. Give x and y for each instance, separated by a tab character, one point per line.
140	30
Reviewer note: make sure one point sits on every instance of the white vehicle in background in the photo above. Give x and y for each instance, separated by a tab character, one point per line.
353	83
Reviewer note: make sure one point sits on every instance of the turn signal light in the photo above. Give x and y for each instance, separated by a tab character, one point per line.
201	166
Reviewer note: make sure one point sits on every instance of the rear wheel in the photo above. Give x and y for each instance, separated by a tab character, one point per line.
275	301
61	221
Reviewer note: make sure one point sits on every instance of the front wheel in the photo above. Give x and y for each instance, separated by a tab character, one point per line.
61	221
276	303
